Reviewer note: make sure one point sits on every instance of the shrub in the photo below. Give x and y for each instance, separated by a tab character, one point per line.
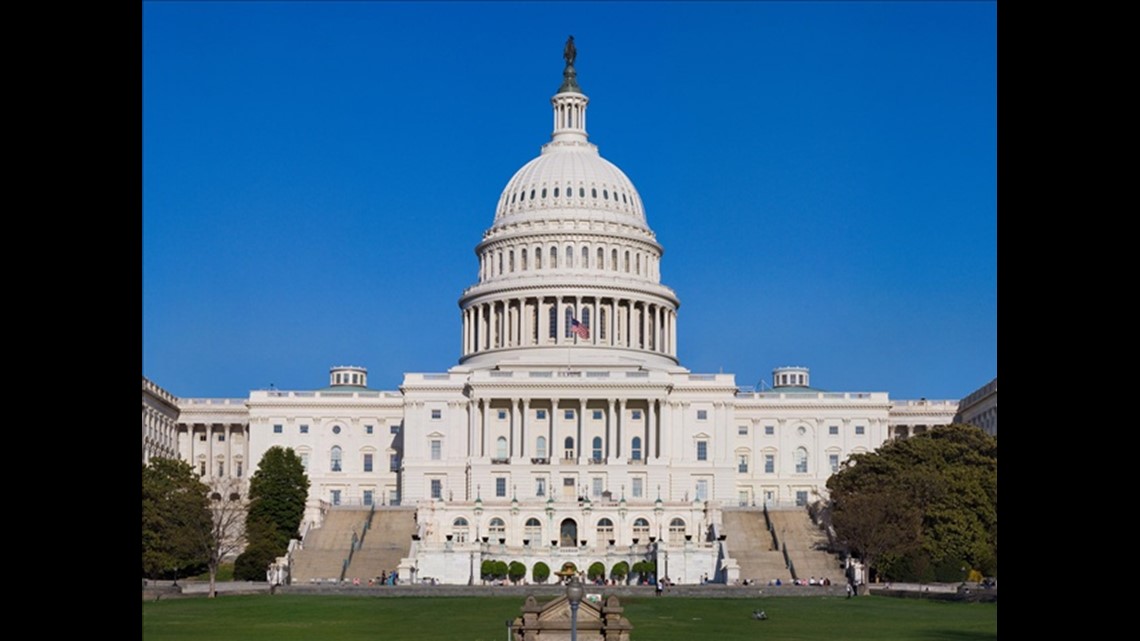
619	571
516	571
540	572
595	571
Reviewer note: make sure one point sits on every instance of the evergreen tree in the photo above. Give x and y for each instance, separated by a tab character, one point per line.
278	491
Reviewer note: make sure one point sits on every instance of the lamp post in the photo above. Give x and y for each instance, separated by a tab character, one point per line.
574	596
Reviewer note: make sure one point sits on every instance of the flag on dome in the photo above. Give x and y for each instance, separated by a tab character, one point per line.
579	328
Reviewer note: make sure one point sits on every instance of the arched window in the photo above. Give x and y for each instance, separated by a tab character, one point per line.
500	255
511	260
568	447
554	321
641	529
459	530
602	324
524	259
585	257
533	530
569	257
553	257
676	529
601	262
605	529
627	261
568	330
597	448
497	529
801	460
638	259
586	317
540	447
501	447
538	258
613	260
335	458
635	450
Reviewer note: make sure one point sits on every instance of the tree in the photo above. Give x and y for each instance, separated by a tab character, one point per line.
945	480
595	570
619	571
540	572
228	512
516	571
278	491
176	527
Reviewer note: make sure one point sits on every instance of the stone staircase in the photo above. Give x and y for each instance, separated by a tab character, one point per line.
750	544
806	544
387	542
324	549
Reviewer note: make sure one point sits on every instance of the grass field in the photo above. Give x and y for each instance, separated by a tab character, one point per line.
339	618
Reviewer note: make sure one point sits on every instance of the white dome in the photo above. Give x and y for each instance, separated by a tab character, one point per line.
570	181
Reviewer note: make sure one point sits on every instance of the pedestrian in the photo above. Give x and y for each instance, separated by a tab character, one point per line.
660	587
850	590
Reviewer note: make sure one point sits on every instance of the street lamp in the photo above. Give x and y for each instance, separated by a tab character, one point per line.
574	596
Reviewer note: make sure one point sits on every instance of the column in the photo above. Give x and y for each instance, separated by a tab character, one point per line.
523	426
673	332
482	427
651	429
643	317
514	446
581	411
618	426
610	431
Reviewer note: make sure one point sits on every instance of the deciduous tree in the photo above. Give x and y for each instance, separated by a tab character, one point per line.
176	526
228	512
946	479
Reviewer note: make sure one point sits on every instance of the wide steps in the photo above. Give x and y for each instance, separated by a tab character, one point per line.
750	545
388	541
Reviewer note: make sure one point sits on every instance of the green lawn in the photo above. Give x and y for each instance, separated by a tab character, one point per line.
336	618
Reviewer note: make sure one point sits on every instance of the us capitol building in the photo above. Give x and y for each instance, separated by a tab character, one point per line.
568	426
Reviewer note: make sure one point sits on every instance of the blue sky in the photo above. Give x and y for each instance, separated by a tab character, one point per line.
822	176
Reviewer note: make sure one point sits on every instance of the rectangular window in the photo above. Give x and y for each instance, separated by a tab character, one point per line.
637	415
393	429
202	468
502	415
501	487
436	450
304	429
702	415
368	497
540	487
742	430
334	497
277	429
367	462
394	462
367	429
436	415
597	415
769	430
801	498
540	415
859	430
221	469
202	437
742	463
638	487
833	430
597	486
305	461
833	460
702	450
769	463
221	438
568	415
436	488
702	490
237	470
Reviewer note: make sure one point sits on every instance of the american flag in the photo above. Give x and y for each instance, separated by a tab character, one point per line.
579	329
